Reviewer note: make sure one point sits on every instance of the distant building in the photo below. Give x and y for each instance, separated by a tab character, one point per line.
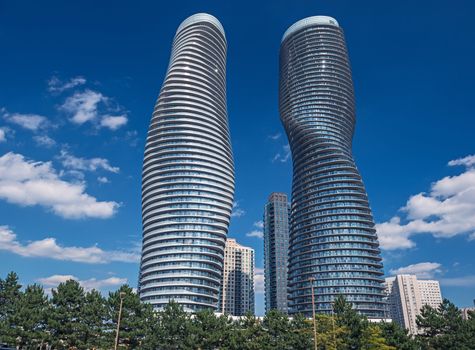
276	246
237	294
407	295
465	311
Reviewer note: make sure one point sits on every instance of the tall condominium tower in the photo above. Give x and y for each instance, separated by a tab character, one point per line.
407	295
237	295
276	246
333	242
188	173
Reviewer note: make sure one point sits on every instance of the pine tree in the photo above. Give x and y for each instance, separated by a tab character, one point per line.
10	295
136	320
31	318
65	323
93	318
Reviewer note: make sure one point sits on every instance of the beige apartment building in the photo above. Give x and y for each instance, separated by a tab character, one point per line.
237	294
406	296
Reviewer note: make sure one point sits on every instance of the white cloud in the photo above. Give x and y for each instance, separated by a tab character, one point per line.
26	182
56	85
446	211
471	237
49	248
464	281
237	212
424	270
467	161
82	164
3	137
103	180
44	140
255	233
283	156
90	284
259	224
113	122
275	137
83	106
259	287
32	122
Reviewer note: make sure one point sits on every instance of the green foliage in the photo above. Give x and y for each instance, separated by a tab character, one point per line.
75	319
397	336
65	322
10	299
137	318
444	328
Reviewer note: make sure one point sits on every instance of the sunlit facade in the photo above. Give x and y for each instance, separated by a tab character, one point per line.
332	234
188	173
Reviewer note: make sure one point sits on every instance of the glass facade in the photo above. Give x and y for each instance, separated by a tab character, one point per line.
332	234
276	246
188	173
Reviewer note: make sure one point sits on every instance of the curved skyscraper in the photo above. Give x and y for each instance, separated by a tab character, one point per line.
333	242
188	173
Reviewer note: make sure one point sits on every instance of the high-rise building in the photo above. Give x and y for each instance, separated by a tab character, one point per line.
333	240
188	173
237	295
276	246
407	295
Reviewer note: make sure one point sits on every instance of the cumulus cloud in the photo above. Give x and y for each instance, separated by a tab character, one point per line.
282	156
56	85
259	287
44	141
237	212
3	136
103	179
32	122
26	182
446	211
83	106
258	233
113	122
49	248
259	224
424	270
83	164
90	284
468	161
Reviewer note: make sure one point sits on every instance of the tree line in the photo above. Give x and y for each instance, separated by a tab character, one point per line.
72	318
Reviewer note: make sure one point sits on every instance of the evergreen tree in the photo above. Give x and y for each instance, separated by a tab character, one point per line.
444	328
93	318
278	331
249	334
174	328
10	295
65	323
136	320
209	331
348	318
31	318
302	333
397	336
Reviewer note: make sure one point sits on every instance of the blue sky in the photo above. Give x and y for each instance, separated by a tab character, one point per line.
79	81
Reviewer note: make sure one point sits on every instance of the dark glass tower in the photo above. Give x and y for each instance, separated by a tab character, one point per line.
188	173
332	234
276	246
